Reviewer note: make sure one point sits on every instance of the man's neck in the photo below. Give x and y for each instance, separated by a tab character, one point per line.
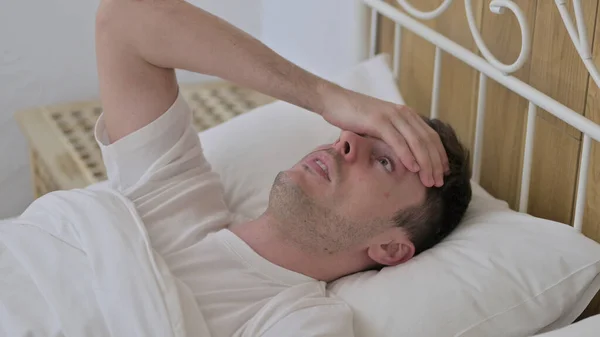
263	236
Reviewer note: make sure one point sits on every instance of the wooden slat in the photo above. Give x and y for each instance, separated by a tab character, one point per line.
458	107
591	219
554	171
416	78
416	62
506	111
557	71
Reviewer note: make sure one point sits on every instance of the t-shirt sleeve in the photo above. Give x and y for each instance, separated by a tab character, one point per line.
162	169
138	156
331	320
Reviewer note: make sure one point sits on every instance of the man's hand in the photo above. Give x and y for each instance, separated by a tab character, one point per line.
417	145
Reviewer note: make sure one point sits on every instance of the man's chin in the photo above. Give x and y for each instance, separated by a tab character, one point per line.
293	175
291	179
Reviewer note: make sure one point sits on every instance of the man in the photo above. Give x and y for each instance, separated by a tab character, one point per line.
376	197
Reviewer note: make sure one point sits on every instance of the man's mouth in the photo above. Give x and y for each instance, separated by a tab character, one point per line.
319	167
323	167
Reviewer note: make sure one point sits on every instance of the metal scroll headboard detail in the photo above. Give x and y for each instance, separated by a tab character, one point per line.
496	6
490	67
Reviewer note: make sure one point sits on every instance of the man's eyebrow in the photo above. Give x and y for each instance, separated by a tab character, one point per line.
387	149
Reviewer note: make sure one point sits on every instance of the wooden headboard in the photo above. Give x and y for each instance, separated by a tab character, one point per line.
554	67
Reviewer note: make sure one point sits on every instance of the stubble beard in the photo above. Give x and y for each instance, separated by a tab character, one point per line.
300	220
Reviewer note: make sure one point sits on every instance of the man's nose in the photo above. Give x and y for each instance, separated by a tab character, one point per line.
350	145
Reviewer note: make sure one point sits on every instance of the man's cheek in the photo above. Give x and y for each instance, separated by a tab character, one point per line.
322	147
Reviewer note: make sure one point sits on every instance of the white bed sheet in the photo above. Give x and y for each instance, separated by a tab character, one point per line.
71	273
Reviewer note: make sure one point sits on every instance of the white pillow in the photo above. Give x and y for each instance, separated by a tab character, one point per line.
501	273
588	327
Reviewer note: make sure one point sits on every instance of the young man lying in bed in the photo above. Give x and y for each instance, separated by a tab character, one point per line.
392	185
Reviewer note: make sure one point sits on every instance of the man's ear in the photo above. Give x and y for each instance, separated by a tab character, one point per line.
392	249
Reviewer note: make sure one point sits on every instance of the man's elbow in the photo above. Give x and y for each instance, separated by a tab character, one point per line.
132	19
116	19
107	16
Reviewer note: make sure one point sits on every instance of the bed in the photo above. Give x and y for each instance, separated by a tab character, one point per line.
533	171
529	104
528	107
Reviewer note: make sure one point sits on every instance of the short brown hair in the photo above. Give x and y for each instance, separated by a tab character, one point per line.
444	206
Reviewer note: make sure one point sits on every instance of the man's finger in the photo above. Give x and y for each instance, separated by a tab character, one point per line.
432	142
435	138
391	136
418	149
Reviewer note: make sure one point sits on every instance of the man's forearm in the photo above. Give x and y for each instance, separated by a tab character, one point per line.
176	34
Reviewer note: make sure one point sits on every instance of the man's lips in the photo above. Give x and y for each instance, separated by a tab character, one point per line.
320	164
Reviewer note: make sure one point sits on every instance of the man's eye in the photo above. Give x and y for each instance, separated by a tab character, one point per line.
387	164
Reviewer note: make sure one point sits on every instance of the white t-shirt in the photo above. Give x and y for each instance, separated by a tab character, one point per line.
161	168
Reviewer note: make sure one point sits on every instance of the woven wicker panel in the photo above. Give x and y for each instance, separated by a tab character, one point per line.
76	125
211	104
43	181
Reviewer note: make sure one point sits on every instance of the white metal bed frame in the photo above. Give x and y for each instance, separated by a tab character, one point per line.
490	67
